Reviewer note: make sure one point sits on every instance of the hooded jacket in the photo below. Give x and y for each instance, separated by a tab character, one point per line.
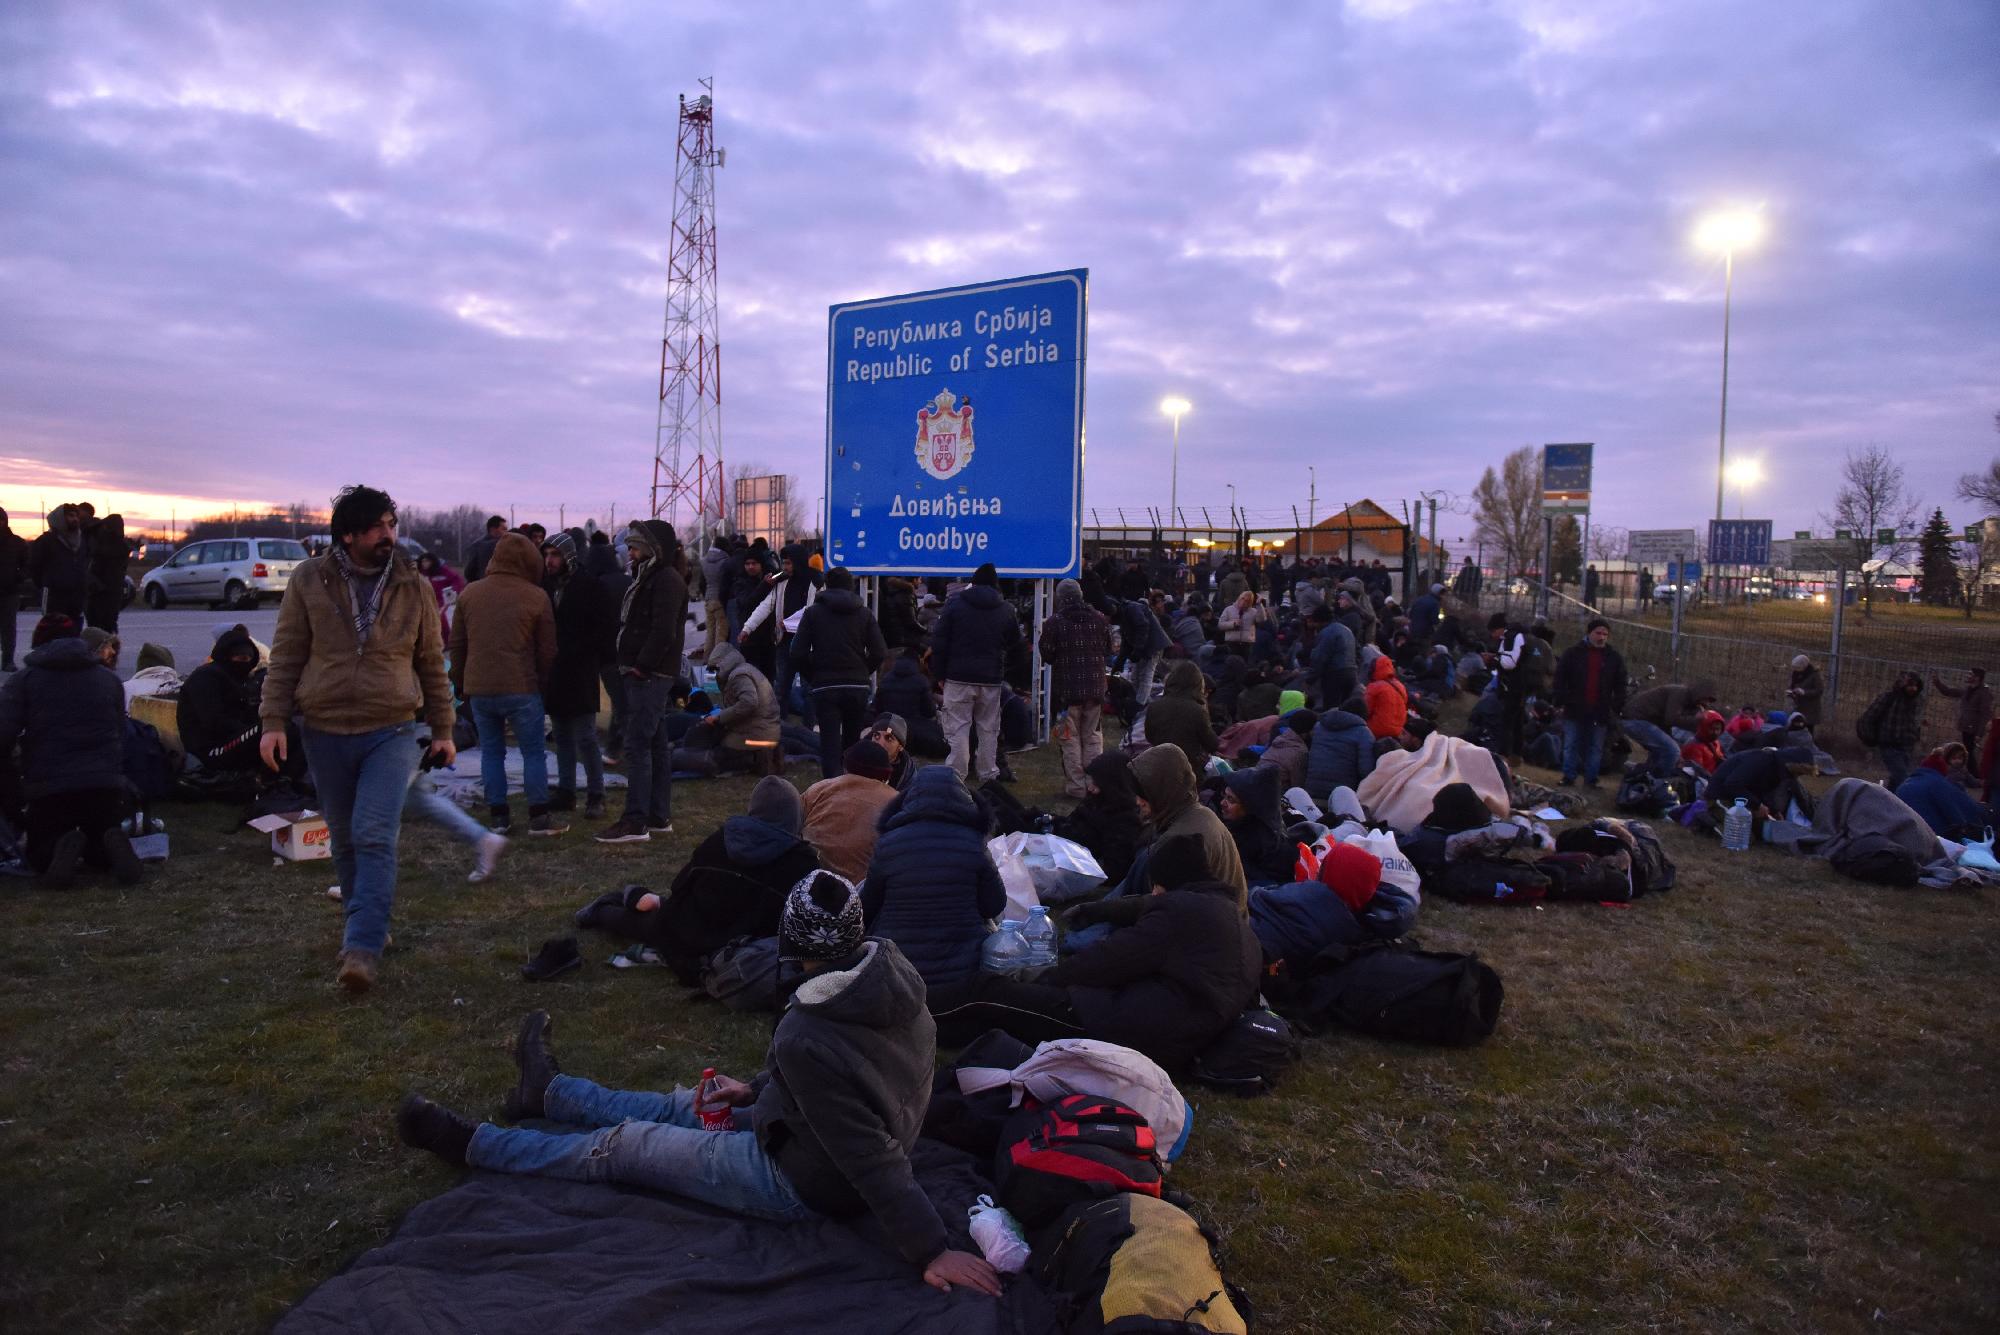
973	634
1671	706
734	885
1187	632
1948	809
1268	857
848	1082
1107	822
503	633
1076	644
905	690
841	815
749	711
217	710
714	574
586	641
1180	716
344	686
1166	781
788	597
1341	756
1289	754
1171	982
1388	700
901	628
653	628
13	558
68	710
838	642
1894	718
1332	673
931	884
59	561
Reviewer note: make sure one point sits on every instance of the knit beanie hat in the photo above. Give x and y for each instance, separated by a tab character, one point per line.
987	575
1801	663
775	802
895	724
154	655
232	641
821	919
1068	594
840	577
1351	872
96	637
867	759
1290	700
564	544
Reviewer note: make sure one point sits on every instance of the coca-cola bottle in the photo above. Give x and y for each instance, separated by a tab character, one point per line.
715	1115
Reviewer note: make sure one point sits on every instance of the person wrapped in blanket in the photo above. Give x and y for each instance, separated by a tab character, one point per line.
825	1130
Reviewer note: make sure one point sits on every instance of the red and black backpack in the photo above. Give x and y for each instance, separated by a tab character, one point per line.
1080	1147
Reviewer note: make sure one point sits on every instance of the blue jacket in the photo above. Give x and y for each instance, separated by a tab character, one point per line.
1342	754
1424	615
931	884
1296	922
1333	672
1944	805
972	637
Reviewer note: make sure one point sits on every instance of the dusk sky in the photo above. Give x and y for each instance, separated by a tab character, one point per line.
249	252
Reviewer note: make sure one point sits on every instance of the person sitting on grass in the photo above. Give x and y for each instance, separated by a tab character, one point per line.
217	713
1950	811
891	732
1347	903
734	884
1249	807
1705	751
1107	820
67	711
906	692
932	886
826	1130
841	812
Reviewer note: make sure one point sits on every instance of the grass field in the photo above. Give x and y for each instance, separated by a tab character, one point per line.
1765	1100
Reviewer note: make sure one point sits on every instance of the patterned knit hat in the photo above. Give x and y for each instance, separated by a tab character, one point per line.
822	919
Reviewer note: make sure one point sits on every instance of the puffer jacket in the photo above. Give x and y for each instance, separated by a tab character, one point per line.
1298	920
1388	700
972	636
68	710
1341	756
1107	822
931	884
1947	808
341	686
714	574
1180	716
749	711
503	632
653	630
838	642
1288	754
848	1082
1267	856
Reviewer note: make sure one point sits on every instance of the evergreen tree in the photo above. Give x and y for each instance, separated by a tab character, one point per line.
1937	562
1566	551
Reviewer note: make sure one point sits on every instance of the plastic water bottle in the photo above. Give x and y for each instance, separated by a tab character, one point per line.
715	1116
998	1235
1736	827
1040	934
1005	951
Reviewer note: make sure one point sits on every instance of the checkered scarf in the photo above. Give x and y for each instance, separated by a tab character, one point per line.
363	591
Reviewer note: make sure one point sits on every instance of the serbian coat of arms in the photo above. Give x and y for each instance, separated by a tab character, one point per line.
944	436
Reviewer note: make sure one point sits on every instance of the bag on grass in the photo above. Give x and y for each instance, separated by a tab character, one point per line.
1585	878
1397	869
1500	881
1644	794
1249	1056
1076	1149
1419	996
1081	1066
1009	853
1879	860
743	975
1132	1263
972	1121
1652	870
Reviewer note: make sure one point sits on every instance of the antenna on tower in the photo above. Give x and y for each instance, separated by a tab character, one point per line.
690	420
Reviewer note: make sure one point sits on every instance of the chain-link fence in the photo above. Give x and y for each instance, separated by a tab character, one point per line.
1747	650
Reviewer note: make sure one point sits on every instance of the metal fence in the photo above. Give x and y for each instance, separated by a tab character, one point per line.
1747	650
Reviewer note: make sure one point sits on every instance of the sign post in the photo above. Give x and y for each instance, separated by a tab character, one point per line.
1565	490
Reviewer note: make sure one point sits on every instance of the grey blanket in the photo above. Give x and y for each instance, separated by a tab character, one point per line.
1855	808
539	1256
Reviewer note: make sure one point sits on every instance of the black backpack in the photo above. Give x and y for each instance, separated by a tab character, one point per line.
973	1122
1078	1148
148	765
1250	1055
743	975
1585	878
1643	794
1419	996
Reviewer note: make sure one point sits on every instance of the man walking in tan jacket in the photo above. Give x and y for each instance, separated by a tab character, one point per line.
503	646
357	652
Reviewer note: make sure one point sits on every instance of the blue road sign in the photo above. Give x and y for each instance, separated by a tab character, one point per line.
1566	477
1739	542
954	429
1676	574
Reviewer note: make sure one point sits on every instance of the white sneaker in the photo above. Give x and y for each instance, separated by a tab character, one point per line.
490	847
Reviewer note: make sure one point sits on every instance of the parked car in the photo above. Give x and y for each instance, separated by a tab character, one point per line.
224	572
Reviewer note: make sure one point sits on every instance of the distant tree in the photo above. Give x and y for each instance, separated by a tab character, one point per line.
1983	489
1608	542
1566	551
1507	510
1937	562
1872	497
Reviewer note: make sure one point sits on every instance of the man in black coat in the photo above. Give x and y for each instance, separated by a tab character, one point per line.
969	649
838	648
1589	688
217	712
651	635
59	561
480	554
586	639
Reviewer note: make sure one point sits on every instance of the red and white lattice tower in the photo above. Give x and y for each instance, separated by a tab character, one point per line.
687	443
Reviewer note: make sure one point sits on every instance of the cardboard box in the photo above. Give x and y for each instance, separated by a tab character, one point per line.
297	836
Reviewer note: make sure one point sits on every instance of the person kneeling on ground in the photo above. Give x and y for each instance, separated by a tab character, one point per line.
841	812
68	712
743	735
734	884
217	713
932	886
826	1130
1180	966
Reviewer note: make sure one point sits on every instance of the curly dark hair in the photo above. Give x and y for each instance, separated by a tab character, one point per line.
357	509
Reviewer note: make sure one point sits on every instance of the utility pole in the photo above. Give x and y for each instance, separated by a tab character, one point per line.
1312	496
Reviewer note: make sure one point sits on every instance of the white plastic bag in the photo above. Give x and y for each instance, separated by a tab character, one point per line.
1061	870
998	1235
1008	852
1397	870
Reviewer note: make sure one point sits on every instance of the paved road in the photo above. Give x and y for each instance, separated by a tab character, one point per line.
186	632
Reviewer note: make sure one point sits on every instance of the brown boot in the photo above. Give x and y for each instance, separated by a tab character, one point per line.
357	970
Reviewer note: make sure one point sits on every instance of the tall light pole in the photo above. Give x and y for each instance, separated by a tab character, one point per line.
1175	407
1232	503
1725	234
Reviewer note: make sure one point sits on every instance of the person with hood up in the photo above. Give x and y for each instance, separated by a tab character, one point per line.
1893	726
1250	812
1107	820
1346	904
1178	968
826	1130
1259	697
1342	753
932	886
1143	641
586	638
1332	673
842	812
838	649
13	566
1076	643
795	589
1425	610
969	647
67	711
59	563
743	735
1590	689
1705	751
905	691
1180	716
1651	715
1290	749
503	644
1169	800
734	884
1806	688
1188	630
110	557
446	583
216	713
902	630
651	639
1388	700
715	578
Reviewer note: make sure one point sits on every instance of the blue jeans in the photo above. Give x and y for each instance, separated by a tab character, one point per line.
645	1140
1582	741
577	736
363	780
781	681
1897	761
1662	755
425	800
649	754
492	714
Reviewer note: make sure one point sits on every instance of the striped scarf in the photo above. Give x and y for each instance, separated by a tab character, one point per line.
363	591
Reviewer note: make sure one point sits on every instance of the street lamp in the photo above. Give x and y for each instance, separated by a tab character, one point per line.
1745	474
1725	234
1232	503
1175	407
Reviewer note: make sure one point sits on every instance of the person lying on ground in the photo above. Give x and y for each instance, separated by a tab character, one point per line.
841	812
932	887
1347	903
825	1130
1248	806
1179	965
67	712
1950	811
734	884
